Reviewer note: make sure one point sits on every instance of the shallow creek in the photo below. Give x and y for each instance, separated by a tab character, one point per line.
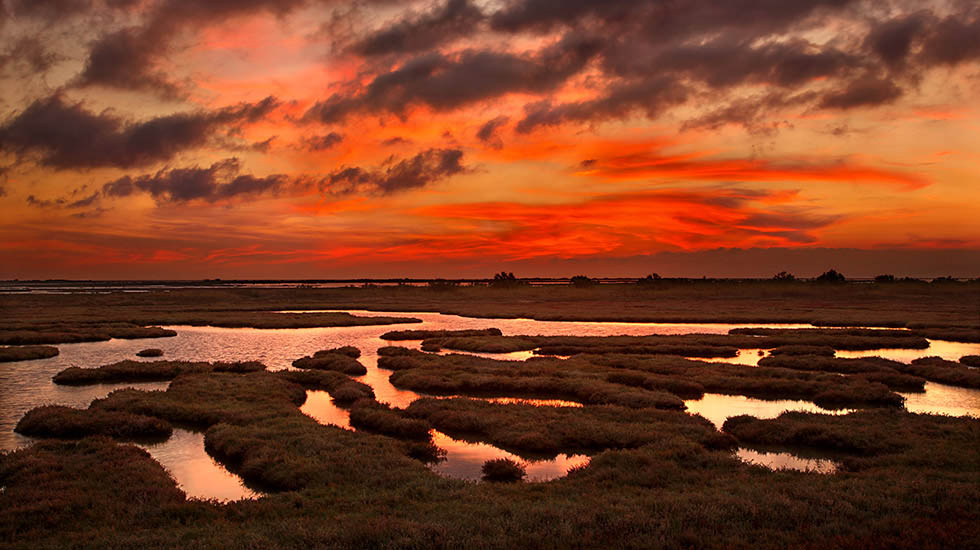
25	385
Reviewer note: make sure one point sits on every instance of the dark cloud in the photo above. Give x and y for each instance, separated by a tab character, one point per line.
423	31
127	59
488	131
65	135
954	40
863	92
222	180
324	142
49	9
30	53
425	168
892	40
648	97
445	82
397	140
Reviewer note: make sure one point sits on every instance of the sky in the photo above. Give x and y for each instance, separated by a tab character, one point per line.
185	139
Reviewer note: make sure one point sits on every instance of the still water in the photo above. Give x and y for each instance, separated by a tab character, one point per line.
25	385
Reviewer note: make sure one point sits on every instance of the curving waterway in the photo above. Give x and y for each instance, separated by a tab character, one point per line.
27	384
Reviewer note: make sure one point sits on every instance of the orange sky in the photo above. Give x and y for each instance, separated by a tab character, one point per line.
320	139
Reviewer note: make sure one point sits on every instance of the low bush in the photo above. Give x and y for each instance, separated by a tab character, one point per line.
150	352
503	470
330	360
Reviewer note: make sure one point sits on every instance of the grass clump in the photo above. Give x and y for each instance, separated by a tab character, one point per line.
150	352
349	351
425	334
333	360
971	360
26	353
140	371
68	423
503	470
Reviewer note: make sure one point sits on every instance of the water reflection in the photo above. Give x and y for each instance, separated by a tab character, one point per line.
942	399
195	471
717	407
786	461
464	460
320	407
941	348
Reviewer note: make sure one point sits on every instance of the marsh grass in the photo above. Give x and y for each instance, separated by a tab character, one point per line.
67	333
548	431
68	423
381	418
333	360
340	387
424	334
971	360
150	352
937	369
142	371
893	374
26	353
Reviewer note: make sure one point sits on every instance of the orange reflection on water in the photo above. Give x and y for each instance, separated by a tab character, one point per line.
464	460
196	473
786	461
717	408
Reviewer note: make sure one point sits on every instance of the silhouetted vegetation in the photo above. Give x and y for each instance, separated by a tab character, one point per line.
823	351
971	360
505	280
26	353
784	277
652	279
503	470
150	352
581	281
67	423
831	276
884	278
141	371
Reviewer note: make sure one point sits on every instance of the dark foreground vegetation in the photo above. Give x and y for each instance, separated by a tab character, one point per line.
908	482
26	353
343	360
150	352
65	422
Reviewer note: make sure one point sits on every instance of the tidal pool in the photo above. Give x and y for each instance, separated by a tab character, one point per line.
27	384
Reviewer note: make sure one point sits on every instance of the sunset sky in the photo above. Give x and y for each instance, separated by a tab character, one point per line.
324	139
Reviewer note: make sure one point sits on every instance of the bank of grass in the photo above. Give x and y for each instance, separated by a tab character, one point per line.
26	353
68	423
147	371
342	360
971	360
150	352
548	431
626	380
874	438
503	470
893	374
468	375
400	335
687	345
381	418
937	369
676	493
69	333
